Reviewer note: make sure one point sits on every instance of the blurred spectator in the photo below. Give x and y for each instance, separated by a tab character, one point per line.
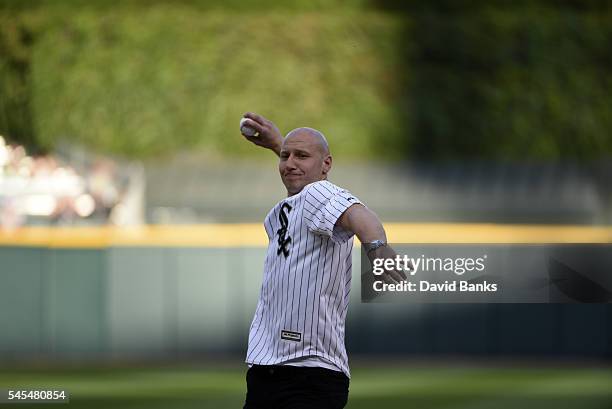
42	189
102	186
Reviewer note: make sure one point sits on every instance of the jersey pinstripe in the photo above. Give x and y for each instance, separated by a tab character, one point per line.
306	283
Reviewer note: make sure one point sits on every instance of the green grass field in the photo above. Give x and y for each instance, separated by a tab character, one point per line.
417	386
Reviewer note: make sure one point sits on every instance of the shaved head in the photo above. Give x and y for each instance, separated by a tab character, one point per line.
317	136
304	158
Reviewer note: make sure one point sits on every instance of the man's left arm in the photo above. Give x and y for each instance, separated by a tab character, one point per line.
367	227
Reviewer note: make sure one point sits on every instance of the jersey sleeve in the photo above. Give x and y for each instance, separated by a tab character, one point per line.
323	206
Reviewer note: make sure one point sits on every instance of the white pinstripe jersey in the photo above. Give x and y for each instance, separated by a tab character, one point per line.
307	279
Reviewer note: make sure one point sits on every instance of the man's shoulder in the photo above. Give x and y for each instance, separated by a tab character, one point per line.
324	187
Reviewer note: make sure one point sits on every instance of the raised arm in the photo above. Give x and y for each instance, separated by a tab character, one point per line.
269	135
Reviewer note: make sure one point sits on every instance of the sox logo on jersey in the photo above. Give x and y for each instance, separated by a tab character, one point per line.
305	290
283	242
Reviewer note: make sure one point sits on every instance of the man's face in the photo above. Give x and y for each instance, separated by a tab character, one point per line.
302	161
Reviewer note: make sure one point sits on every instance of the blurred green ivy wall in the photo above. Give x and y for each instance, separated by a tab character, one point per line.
424	80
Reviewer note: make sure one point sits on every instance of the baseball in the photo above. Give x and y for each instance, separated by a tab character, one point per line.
247	130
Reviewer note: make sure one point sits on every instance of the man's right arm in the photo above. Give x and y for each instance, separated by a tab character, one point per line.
269	135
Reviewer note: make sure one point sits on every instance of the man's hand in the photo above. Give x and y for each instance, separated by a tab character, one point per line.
368	228
269	135
392	276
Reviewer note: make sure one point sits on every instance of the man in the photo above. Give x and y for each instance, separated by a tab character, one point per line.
296	349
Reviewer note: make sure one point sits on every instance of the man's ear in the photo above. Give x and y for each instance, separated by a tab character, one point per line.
327	164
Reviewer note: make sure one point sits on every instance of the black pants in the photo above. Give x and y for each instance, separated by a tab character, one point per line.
284	386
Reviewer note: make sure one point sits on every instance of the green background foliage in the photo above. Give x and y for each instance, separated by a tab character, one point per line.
440	81
497	84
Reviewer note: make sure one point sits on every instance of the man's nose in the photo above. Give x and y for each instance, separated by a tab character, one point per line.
290	163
